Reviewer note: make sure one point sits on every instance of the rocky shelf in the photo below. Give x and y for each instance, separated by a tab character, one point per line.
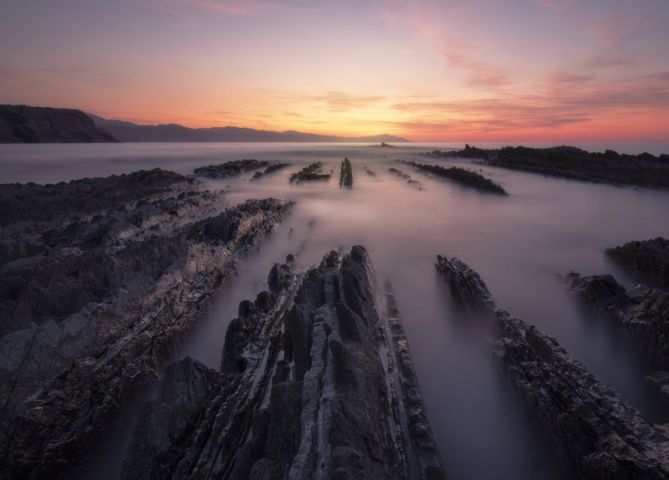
310	173
641	309
461	176
316	381
648	260
591	427
95	300
346	174
644	170
230	169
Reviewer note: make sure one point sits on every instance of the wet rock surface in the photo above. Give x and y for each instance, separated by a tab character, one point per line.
94	301
641	309
370	172
316	381
461	176
591	427
230	169
346	174
406	177
644	170
648	260
310	173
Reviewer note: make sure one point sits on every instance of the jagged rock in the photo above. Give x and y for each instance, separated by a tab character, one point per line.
24	124
230	169
370	172
303	391
647	259
461	176
274	167
406	177
346	174
310	173
96	318
644	170
641	309
600	436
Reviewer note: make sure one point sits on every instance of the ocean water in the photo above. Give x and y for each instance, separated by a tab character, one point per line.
521	245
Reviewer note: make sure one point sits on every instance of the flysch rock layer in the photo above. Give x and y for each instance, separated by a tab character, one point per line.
590	426
647	259
346	174
641	309
95	300
315	382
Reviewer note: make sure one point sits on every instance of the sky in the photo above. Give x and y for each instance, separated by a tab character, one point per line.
432	70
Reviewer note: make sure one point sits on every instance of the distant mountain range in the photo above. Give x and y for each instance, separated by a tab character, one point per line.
172	132
26	124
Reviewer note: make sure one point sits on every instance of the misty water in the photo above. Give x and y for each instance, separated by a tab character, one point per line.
521	245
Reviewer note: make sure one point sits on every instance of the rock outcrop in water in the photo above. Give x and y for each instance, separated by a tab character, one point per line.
370	172
274	167
310	173
461	176
406	177
346	174
644	170
600	436
648	260
23	124
230	169
95	300
315	382
641	309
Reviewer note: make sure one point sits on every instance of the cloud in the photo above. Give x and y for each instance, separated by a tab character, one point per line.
223	7
480	74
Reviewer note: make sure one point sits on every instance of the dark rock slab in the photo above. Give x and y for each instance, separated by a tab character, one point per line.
641	309
370	172
592	428
94	314
461	176
648	260
315	382
230	169
310	173
346	174
644	170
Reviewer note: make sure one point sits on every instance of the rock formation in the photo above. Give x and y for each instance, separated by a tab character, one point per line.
315	382
370	172
230	169
23	124
273	167
644	170
95	300
310	173
346	174
406	177
461	176
641	309
648	260
592	428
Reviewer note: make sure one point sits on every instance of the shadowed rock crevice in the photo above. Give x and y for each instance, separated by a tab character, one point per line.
590	426
315	382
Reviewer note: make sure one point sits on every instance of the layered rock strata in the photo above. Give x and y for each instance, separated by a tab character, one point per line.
316	381
230	169
648	260
463	177
346	174
310	173
591	427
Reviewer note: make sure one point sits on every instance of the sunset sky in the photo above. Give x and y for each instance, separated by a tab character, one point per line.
496	70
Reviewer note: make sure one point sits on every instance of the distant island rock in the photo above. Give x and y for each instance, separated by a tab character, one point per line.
643	170
132	132
24	124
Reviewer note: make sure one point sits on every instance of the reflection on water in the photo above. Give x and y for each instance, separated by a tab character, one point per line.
520	245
